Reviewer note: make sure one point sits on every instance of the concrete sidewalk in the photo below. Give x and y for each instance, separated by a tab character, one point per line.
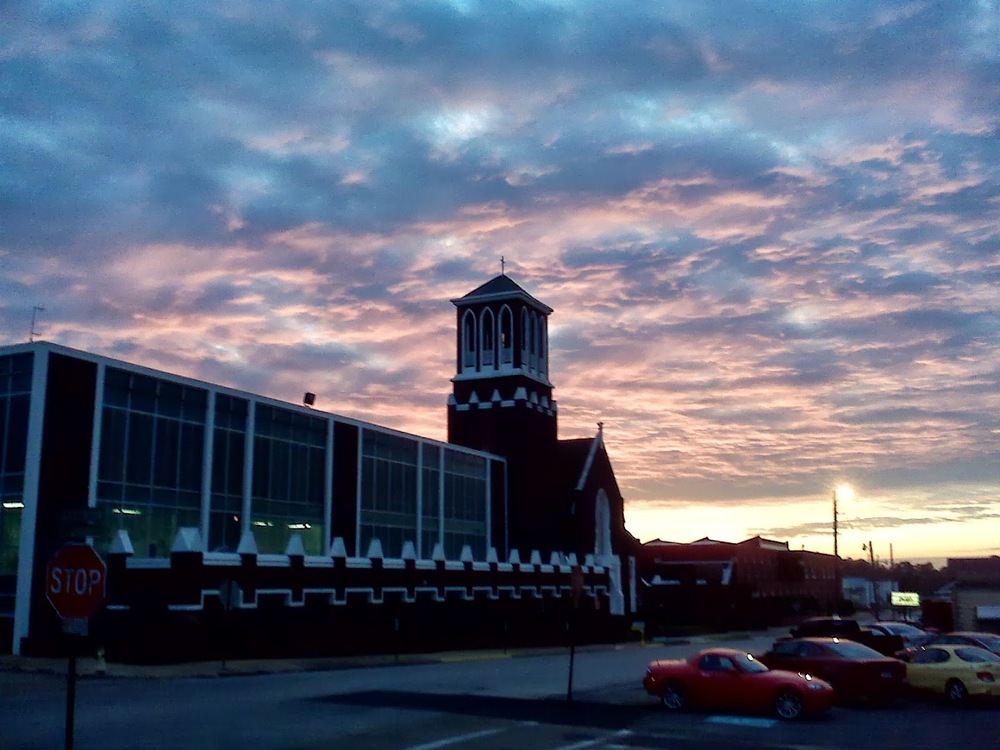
91	667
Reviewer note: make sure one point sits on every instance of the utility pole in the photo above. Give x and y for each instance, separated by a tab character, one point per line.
874	579
836	552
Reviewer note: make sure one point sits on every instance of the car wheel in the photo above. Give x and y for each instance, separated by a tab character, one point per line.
955	691
788	705
674	698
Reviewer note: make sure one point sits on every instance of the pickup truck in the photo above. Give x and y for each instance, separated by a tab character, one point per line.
836	627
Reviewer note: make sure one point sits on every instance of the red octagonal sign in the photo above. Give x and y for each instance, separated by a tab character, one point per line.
75	580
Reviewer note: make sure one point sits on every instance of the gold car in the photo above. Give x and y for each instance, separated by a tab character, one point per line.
956	672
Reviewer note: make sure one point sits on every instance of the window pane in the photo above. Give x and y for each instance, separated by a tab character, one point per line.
112	455
140	448
166	449
151	459
16	437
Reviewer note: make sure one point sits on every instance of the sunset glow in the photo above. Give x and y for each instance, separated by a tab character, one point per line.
770	233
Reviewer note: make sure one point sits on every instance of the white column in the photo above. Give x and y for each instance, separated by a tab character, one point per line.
248	467
95	448
358	552
32	477
328	490
207	461
420	499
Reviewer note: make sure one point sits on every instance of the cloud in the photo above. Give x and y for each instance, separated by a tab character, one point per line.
768	232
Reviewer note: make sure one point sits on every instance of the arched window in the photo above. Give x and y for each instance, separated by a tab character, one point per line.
602	527
525	337
506	336
543	340
488	332
533	341
468	340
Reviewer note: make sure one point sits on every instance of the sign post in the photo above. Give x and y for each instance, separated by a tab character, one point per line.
231	596
576	590
75	581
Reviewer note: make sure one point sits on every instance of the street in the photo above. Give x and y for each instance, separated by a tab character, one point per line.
460	701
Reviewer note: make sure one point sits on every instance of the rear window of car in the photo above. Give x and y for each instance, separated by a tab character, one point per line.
976	655
930	656
992	642
786	648
852	650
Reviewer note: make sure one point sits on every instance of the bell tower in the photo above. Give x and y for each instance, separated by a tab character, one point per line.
501	398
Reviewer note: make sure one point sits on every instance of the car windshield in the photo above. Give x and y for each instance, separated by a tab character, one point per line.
992	642
749	664
977	655
852	650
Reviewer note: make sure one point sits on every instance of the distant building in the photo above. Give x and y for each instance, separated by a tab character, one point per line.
335	534
974	569
975	597
725	584
866	594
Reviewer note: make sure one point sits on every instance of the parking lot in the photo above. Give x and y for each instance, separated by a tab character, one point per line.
469	701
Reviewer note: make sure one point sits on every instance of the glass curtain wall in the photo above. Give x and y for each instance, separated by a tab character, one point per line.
149	479
465	504
15	397
430	515
228	458
289	470
454	505
151	456
388	491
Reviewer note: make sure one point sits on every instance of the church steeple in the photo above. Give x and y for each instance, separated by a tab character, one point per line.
501	390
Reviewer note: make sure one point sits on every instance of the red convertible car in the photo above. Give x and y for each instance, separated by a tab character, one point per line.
731	680
854	670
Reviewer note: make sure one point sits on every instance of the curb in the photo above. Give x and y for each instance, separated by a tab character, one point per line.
88	667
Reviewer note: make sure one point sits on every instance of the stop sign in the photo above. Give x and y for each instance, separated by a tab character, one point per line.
74	581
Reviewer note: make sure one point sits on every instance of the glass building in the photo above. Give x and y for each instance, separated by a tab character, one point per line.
90	446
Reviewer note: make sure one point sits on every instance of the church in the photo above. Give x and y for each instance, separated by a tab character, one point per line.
239	524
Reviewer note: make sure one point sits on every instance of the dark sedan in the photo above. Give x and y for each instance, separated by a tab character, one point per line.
855	671
911	634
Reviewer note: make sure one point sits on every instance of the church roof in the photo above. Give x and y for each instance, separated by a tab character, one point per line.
500	287
575	460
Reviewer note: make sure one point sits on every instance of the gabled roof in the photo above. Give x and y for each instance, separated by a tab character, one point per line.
500	287
571	458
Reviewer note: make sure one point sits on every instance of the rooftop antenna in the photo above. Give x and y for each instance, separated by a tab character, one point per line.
34	314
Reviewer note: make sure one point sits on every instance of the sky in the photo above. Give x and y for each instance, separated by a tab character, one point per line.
770	231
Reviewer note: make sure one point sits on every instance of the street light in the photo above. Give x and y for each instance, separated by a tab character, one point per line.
847	493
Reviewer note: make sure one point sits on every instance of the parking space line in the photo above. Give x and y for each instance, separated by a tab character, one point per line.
742	721
457	739
592	743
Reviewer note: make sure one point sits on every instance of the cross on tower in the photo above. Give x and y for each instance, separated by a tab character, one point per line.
501	265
